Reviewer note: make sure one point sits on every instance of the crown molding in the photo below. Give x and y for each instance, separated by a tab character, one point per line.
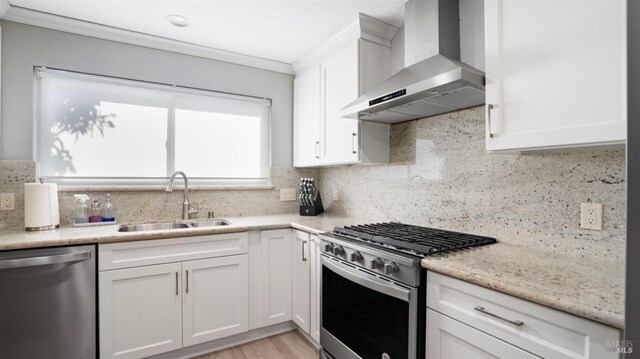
364	27
61	23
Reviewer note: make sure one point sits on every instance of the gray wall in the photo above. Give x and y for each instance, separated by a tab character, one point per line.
24	47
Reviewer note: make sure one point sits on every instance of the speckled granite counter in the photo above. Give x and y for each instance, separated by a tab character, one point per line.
590	288
587	287
10	240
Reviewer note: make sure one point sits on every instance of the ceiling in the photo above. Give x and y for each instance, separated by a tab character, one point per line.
282	31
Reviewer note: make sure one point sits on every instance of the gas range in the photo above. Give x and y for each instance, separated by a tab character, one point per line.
395	249
374	289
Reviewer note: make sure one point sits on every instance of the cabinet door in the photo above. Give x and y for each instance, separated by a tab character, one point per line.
301	278
316	282
140	311
339	136
450	339
306	118
215	299
275	276
555	74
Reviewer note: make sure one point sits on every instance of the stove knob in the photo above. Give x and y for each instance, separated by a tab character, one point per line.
376	263
355	256
328	247
338	250
390	268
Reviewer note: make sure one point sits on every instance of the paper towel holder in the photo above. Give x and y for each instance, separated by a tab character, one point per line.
43	214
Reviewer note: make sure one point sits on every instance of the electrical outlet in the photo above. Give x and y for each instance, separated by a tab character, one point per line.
336	195
288	194
7	202
591	216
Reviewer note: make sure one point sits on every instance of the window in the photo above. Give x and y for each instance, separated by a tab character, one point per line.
103	130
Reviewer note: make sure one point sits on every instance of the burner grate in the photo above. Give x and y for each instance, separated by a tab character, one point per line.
421	240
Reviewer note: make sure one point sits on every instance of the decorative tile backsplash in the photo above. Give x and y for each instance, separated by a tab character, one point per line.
441	176
13	176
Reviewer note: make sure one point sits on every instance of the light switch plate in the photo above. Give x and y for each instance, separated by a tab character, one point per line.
591	216
287	194
7	202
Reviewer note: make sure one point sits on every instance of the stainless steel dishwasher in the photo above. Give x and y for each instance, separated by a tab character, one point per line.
48	303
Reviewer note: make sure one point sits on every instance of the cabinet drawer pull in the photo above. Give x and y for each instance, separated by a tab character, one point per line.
304	257
481	309
353	143
317	149
489	108
177	293
187	284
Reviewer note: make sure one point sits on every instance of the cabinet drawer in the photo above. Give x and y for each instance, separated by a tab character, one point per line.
148	252
449	339
545	332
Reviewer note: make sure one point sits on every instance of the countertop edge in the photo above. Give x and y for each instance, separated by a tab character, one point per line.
599	316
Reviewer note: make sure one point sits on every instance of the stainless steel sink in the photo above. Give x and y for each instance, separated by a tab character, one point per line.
172	225
151	227
210	223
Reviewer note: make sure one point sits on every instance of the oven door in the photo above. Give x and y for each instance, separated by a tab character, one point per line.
366	316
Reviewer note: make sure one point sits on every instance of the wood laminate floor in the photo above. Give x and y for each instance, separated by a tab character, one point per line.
289	345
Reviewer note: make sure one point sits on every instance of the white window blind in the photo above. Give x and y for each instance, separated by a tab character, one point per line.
103	130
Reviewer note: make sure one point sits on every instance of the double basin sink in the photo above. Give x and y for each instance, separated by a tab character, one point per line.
172	225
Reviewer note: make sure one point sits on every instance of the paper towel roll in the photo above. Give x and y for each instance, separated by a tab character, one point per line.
41	206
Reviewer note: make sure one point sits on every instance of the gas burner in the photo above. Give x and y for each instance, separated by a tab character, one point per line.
416	240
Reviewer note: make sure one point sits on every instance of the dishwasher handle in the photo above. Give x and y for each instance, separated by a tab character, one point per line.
45	260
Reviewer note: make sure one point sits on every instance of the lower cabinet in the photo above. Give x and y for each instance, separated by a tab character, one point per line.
450	339
275	276
152	309
465	320
306	283
215	299
140	311
301	286
316	284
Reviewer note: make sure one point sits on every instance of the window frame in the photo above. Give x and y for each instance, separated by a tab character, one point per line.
121	182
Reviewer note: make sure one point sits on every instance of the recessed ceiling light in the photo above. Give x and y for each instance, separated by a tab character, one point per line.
178	20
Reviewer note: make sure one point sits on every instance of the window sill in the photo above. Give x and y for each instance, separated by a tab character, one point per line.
153	188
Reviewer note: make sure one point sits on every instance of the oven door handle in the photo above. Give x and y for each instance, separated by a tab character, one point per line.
354	275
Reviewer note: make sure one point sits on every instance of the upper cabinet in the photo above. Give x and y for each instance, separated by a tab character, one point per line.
555	74
334	75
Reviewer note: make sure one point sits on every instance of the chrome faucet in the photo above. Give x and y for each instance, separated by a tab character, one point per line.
187	209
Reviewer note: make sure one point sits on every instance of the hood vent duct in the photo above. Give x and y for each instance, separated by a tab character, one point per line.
434	81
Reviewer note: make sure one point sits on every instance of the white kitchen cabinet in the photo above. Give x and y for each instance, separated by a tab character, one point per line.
215	299
449	339
333	76
555	74
140	311
301	279
162	295
306	91
534	328
315	290
275	276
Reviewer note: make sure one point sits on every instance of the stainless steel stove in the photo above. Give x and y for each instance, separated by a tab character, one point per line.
373	288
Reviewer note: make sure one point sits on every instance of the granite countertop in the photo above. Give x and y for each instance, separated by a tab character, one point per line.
590	288
20	239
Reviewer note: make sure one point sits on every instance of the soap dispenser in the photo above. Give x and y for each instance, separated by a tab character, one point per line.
107	210
82	208
95	212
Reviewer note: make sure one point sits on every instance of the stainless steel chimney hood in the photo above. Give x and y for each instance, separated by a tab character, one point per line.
434	81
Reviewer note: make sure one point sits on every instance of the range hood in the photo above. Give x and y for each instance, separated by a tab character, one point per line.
434	80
